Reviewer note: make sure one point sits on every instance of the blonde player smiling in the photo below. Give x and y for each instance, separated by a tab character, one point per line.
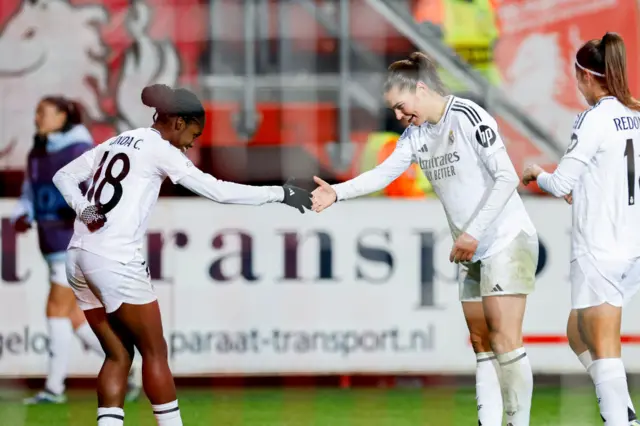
458	146
600	172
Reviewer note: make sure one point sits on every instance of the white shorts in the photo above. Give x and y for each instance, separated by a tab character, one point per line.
511	271
100	282
594	282
58	271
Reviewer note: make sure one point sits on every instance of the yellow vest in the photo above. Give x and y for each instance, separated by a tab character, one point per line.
371	152
470	28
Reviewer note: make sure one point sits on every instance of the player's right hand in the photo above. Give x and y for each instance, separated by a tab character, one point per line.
93	217
22	224
295	197
323	196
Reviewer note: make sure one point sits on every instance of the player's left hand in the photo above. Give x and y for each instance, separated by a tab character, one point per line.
531	173
463	249
93	217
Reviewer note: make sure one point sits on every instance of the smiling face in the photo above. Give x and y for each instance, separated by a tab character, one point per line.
409	106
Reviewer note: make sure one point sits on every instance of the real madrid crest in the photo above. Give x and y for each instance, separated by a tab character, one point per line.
451	138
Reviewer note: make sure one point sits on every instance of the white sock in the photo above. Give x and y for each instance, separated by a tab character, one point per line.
112	416
167	414
89	339
517	386
60	334
610	379
488	393
586	360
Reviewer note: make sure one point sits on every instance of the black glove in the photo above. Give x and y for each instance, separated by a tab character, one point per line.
93	217
295	197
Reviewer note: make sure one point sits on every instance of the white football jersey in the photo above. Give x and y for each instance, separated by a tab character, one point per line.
606	197
456	155
125	174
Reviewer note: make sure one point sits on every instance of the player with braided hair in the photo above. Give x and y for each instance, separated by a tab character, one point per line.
105	265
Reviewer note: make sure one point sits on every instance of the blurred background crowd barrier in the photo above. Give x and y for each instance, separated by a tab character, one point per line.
293	88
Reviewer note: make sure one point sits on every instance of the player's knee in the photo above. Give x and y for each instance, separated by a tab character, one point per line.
60	302
122	357
156	350
576	342
503	342
584	336
56	308
480	340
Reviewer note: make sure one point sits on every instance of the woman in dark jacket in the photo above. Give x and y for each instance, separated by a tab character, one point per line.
60	138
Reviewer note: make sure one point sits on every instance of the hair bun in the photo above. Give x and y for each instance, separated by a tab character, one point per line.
158	96
424	62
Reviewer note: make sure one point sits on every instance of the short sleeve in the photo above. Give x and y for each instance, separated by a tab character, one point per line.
586	137
172	163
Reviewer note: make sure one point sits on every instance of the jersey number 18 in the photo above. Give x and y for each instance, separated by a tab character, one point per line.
97	185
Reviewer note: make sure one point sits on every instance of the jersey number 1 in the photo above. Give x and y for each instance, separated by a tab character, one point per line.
115	181
631	171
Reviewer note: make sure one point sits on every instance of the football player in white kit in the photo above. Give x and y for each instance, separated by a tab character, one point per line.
105	264
599	172
458	147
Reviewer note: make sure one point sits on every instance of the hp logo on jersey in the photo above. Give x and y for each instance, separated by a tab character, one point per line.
485	136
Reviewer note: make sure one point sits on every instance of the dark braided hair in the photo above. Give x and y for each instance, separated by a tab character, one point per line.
170	102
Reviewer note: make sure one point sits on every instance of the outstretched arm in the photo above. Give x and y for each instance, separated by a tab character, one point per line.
373	180
180	170
220	191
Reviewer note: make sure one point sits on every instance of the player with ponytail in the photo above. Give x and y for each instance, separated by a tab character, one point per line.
598	176
459	148
601	70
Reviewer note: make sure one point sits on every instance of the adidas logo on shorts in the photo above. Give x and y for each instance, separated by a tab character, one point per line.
496	288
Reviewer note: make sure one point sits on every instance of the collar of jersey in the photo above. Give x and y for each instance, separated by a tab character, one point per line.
431	126
605	98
